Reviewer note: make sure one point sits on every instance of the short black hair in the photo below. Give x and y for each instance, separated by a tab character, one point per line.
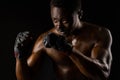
71	5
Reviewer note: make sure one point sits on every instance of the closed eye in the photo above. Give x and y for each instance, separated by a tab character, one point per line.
65	21
55	20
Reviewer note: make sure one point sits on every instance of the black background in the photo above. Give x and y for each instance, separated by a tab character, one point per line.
16	16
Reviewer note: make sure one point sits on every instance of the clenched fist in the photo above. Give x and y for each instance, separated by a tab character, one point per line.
58	42
23	44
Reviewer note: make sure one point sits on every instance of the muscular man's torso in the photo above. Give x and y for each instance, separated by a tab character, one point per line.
82	39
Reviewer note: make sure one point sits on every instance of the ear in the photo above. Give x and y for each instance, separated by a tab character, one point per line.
80	13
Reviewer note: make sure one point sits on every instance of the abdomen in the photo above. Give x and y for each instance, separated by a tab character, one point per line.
68	73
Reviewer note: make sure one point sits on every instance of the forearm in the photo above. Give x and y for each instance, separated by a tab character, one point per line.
22	70
87	65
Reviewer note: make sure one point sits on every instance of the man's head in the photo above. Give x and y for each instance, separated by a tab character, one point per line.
65	14
70	5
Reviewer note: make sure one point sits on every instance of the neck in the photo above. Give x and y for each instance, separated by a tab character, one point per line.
76	25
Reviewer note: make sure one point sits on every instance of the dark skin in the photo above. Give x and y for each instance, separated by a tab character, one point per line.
89	59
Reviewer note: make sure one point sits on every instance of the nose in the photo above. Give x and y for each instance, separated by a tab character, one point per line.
60	25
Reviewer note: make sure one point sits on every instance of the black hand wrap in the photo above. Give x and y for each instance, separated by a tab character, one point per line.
23	44
57	42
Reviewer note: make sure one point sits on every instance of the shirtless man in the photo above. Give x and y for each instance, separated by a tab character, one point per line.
78	50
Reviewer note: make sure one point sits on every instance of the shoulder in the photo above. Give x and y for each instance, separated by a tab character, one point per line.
41	36
105	37
100	30
39	41
101	33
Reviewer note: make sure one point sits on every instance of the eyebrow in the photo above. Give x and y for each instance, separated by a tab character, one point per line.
55	18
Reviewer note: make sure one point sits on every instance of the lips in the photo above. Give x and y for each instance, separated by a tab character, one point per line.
61	29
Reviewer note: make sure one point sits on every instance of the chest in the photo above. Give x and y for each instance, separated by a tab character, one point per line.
83	45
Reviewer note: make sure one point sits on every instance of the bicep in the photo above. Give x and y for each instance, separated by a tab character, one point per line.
102	49
103	56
